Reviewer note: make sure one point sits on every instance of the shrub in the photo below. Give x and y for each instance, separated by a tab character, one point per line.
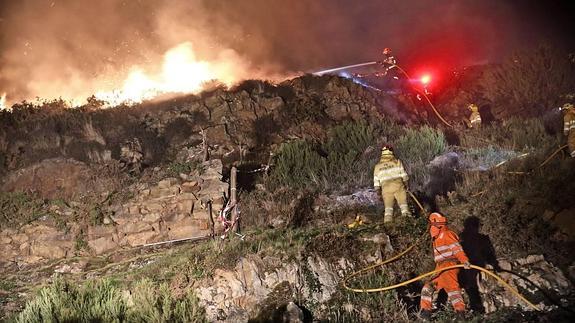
416	148
513	134
17	208
157	304
297	165
99	301
342	162
530	82
102	301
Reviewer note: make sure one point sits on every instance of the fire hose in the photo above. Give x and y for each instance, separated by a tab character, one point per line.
398	67
422	276
426	98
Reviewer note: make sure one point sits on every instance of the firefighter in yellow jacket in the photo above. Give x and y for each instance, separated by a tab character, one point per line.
569	126
475	117
390	176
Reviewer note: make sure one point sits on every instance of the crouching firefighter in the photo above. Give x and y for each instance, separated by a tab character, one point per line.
447	251
390	176
569	126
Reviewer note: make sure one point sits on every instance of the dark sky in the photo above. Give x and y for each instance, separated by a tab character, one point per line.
58	47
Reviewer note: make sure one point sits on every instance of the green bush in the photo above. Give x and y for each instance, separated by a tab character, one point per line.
157	304
99	301
530	82
297	165
177	168
513	134
342	162
102	301
416	148
17	208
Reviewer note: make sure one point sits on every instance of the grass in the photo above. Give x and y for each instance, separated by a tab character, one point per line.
104	301
18	208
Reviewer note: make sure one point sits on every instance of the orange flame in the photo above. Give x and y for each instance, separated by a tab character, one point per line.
181	72
3	105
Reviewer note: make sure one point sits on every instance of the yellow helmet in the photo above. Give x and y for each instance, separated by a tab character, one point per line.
567	106
473	107
386	151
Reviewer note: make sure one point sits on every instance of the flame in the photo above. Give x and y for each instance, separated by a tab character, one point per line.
181	72
3	105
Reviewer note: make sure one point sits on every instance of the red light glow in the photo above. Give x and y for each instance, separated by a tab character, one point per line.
425	79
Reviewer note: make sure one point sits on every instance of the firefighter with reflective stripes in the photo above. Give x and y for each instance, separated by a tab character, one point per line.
447	252
475	117
569	126
390	176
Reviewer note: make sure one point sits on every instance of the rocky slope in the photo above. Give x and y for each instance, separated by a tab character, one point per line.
84	189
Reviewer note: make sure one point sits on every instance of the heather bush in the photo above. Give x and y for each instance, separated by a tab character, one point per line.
103	301
416	148
342	162
528	83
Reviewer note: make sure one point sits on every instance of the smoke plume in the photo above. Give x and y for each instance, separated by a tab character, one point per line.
75	48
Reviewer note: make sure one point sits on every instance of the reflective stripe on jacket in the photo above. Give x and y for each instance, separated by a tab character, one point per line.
475	117
388	170
446	248
569	121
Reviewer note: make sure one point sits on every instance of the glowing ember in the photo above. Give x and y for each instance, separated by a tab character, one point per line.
181	72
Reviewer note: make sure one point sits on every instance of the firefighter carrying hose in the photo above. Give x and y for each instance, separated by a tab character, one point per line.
447	252
475	117
390	176
569	126
389	62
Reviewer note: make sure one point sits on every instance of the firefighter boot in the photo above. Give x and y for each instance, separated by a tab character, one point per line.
425	315
387	218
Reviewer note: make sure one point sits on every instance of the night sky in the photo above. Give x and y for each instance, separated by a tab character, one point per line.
79	40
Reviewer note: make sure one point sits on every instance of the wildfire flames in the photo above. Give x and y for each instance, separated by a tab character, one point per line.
2	101
181	72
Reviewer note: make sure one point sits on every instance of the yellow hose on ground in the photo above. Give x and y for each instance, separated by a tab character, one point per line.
552	155
381	289
426	98
416	201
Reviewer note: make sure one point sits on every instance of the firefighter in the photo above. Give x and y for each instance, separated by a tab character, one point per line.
447	252
475	117
390	176
569	126
389	61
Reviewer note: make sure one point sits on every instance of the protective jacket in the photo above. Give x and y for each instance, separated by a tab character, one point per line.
390	175
388	62
569	129
447	251
475	119
387	170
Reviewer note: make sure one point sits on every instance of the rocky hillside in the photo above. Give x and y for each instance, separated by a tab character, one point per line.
87	192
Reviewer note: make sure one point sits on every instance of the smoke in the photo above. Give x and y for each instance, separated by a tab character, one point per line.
74	48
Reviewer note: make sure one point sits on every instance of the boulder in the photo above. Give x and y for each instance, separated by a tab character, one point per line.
141	238
103	244
537	270
50	249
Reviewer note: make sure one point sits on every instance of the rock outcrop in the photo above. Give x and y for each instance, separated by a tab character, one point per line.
238	294
538	280
169	210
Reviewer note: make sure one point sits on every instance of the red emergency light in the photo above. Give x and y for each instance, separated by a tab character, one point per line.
425	79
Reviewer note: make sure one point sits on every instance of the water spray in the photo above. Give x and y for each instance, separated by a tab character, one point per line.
343	68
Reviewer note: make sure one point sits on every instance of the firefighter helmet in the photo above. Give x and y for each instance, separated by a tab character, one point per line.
437	219
473	107
387	150
386	51
567	106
